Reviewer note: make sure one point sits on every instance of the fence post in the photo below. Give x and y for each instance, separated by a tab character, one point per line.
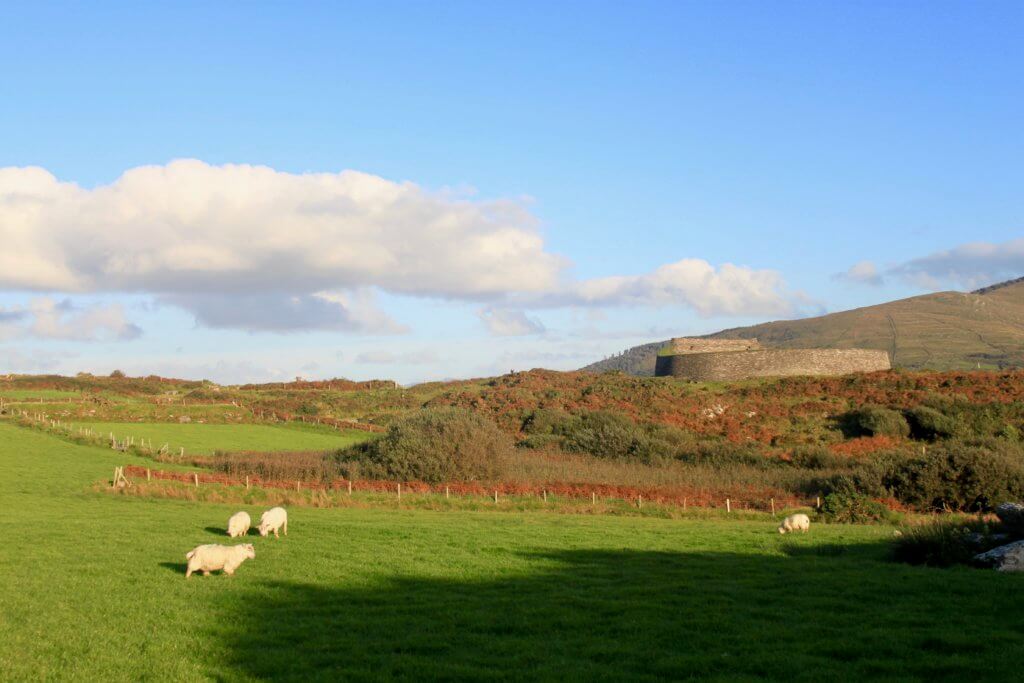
728	507
247	482
640	502
350	487
495	496
684	503
817	502
593	498
545	495
446	493
773	507
147	474
399	491
195	477
297	484
182	453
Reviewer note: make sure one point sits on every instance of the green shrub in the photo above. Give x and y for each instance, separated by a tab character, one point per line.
723	454
434	445
852	507
815	458
544	421
601	433
950	475
876	421
929	423
944	543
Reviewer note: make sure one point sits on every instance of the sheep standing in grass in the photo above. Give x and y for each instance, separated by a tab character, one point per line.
799	522
209	558
238	524
273	520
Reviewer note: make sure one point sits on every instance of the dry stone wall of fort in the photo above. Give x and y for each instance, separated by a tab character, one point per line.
736	365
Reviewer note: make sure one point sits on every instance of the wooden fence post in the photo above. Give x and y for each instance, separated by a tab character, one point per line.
350	487
399	492
147	474
495	496
182	452
545	495
446	493
817	502
297	485
773	507
247	482
684	503
593	498
195	478
640	502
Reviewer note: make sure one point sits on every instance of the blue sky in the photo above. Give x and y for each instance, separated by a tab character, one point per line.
536	184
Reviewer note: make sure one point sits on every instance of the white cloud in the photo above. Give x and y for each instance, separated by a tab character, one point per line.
507	323
862	273
17	361
46	318
693	283
970	266
391	358
254	248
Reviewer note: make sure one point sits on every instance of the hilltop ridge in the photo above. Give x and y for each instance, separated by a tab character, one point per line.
939	331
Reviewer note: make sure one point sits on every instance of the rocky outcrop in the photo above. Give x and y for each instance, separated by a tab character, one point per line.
1005	558
1012	517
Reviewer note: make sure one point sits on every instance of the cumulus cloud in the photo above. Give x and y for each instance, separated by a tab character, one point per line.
862	273
254	248
47	318
508	323
694	283
970	266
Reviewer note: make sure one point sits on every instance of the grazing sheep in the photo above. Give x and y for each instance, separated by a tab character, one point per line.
238	524
211	557
272	520
800	522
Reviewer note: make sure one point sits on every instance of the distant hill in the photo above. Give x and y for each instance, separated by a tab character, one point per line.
941	331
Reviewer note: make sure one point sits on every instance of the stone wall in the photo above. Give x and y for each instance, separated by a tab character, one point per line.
697	345
770	363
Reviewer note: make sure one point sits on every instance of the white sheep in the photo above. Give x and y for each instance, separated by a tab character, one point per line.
211	557
798	522
272	520
238	524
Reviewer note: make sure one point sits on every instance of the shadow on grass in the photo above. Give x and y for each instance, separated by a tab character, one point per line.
176	567
633	615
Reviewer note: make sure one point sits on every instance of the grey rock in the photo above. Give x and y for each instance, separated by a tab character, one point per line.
1012	517
1005	558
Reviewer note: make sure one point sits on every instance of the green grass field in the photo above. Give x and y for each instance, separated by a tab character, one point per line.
204	439
36	394
93	589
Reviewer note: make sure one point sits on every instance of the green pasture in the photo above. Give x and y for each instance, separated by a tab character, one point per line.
204	439
93	589
37	394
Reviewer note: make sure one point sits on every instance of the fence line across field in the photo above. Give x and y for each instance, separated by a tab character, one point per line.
571	492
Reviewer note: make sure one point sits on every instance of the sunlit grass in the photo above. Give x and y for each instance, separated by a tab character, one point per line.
93	589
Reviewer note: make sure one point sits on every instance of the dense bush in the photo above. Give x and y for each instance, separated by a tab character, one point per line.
848	506
815	457
950	475
876	421
929	423
434	445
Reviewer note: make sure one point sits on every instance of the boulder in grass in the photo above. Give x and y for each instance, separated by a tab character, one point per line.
1005	558
1012	517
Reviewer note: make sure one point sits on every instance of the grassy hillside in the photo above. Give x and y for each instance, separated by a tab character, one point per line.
942	331
383	594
